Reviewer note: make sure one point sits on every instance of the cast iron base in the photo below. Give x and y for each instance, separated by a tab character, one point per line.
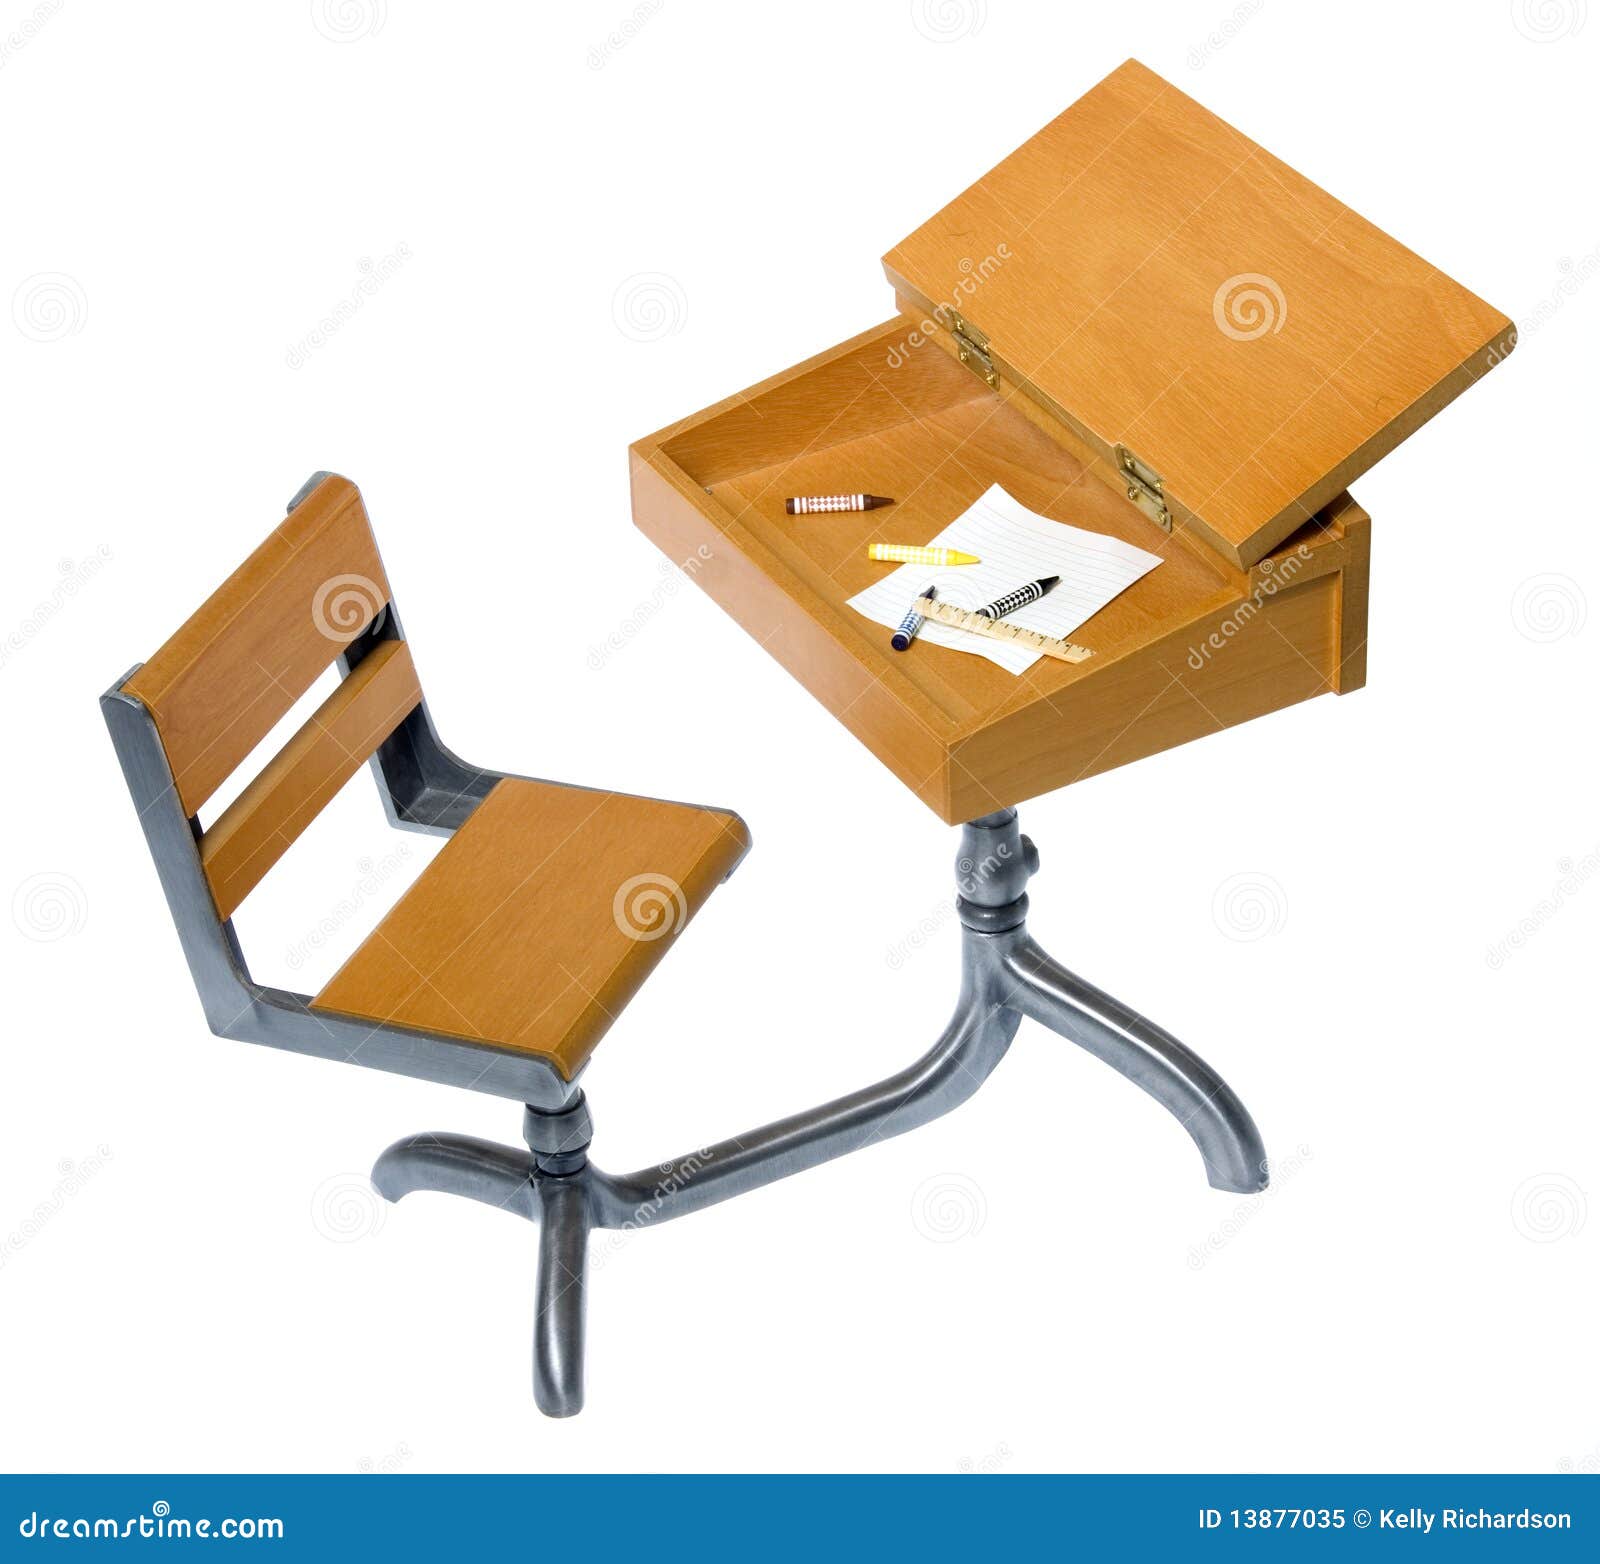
1005	977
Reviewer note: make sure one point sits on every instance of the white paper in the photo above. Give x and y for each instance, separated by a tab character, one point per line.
1016	545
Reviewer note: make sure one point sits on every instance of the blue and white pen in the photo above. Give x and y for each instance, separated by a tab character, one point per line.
1020	598
906	631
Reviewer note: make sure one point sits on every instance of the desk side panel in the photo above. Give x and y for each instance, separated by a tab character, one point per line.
1259	656
676	516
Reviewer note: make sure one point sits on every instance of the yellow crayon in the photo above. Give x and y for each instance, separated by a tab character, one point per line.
912	554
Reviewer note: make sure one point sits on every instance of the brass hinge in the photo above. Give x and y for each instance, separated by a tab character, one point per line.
1144	487
972	348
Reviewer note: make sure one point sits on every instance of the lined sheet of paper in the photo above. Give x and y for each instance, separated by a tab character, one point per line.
1016	545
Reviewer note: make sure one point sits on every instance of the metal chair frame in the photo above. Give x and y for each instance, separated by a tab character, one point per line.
1005	978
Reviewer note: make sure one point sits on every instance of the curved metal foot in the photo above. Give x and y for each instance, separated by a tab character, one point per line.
1153	1059
459	1165
558	1317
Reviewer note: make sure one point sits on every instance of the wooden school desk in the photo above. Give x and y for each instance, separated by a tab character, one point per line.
1141	323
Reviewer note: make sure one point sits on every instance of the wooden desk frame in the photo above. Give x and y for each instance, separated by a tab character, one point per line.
1197	645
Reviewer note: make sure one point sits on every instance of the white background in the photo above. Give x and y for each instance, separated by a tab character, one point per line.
195	1275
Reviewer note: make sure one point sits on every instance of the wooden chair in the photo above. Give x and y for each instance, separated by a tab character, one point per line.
505	964
516	949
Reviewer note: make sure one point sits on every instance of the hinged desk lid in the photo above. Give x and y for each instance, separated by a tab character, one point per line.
1235	340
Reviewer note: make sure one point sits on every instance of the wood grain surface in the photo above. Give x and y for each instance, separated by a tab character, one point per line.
257	828
540	918
1156	279
891	412
257	644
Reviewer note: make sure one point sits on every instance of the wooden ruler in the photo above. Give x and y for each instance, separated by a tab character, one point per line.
1001	630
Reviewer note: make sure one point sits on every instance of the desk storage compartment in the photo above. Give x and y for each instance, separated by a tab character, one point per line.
1196	645
1139	322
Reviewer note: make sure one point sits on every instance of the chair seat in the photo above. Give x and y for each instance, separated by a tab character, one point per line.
540	919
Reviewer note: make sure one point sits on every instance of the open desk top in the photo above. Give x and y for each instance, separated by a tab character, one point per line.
1261	597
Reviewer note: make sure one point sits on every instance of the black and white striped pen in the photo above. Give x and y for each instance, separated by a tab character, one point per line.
1020	598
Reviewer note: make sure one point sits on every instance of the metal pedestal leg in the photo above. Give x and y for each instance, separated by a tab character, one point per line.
1005	977
558	1317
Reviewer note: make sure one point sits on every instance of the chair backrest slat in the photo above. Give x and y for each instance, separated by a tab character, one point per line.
257	644
256	829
